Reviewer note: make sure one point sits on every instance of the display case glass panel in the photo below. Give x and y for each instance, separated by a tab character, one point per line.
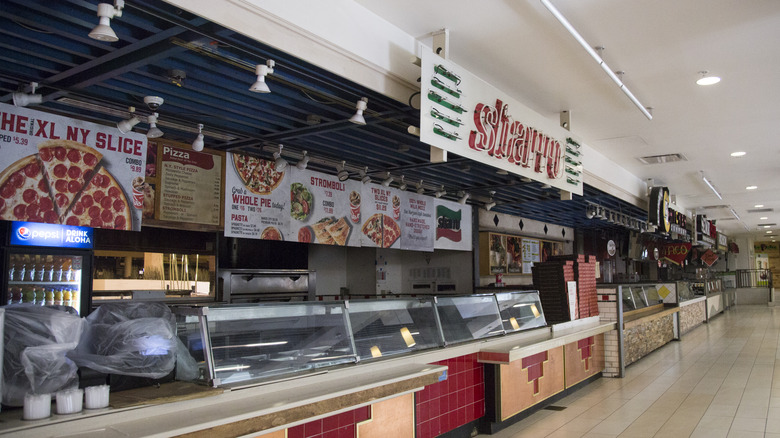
262	341
684	292
384	328
628	299
651	293
466	318
520	310
638	296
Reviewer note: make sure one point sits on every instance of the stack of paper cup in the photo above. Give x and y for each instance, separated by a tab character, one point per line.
37	406
96	397
69	401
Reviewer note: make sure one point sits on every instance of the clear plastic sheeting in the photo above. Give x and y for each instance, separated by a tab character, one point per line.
37	340
133	339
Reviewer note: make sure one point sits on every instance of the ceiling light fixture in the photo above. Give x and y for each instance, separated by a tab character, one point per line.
388	180
706	79
420	189
734	213
769	232
361	106
343	173
758	206
304	161
590	212
23	99
127	125
599	212
279	162
262	70
364	178
105	11
738	154
198	144
709	184
463	198
154	131
592	52
402	186
763	218
491	203
751	187
441	192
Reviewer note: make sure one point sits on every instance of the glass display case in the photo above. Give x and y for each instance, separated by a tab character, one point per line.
684	291
234	344
520	310
390	327
467	318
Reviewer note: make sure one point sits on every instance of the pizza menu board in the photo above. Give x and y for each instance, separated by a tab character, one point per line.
257	199
417	222
323	209
531	254
190	186
59	170
453	225
380	216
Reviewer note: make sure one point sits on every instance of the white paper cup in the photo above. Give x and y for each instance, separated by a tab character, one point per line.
96	397
69	401
37	406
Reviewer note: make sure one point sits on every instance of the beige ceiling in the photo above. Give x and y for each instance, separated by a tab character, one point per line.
519	47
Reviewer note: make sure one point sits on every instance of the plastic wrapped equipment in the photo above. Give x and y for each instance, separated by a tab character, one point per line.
133	339
36	342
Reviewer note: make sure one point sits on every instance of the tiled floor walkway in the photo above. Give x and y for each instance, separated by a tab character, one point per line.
721	380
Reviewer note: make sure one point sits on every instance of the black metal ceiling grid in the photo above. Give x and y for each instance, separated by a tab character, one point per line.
47	42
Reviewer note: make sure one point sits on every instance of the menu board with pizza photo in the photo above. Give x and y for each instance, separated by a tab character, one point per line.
257	199
323	209
417	222
59	170
380	215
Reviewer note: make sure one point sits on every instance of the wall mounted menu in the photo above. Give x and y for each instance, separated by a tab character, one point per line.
531	254
65	171
190	186
257	199
417	222
323	209
381	213
507	254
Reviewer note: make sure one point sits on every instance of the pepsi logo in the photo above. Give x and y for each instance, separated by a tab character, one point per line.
23	233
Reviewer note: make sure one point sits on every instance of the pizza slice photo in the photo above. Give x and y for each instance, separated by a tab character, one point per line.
24	193
372	228
102	204
68	166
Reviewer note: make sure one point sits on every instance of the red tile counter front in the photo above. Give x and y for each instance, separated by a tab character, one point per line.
451	403
342	425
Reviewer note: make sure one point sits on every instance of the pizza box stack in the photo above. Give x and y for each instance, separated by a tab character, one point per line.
550	279
585	275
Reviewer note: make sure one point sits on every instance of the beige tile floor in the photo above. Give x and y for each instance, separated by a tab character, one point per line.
721	381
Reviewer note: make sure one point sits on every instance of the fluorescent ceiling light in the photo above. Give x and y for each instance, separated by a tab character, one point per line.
709	184
763	218
758	205
592	52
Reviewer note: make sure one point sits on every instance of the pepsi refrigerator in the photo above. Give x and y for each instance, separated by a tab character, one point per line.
46	264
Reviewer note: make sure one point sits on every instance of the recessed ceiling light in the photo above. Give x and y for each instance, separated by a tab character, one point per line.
767	226
758	205
738	154
707	79
751	187
769	232
763	218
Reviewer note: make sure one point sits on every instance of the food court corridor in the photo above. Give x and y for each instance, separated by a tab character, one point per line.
721	380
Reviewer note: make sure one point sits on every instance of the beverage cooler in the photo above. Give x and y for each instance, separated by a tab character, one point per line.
47	264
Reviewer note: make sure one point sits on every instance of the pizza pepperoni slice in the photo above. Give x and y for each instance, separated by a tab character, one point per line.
68	166
390	231
24	193
245	165
102	204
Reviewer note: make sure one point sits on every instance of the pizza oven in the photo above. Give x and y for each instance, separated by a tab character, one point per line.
239	286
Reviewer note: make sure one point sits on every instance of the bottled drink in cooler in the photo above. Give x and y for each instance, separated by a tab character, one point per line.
67	297
16	295
28	294
50	296
58	297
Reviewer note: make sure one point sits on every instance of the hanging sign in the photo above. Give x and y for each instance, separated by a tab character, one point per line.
453	225
705	230
676	252
323	209
709	257
463	114
658	209
59	170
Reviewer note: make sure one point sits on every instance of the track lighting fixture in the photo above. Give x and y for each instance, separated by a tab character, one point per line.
464	196
23	99
343	173
590	212
491	203
103	31
127	125
279	162
364	178
402	186
598	212
304	161
441	192
361	106
154	131
420	189
262	70
197	145
388	180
